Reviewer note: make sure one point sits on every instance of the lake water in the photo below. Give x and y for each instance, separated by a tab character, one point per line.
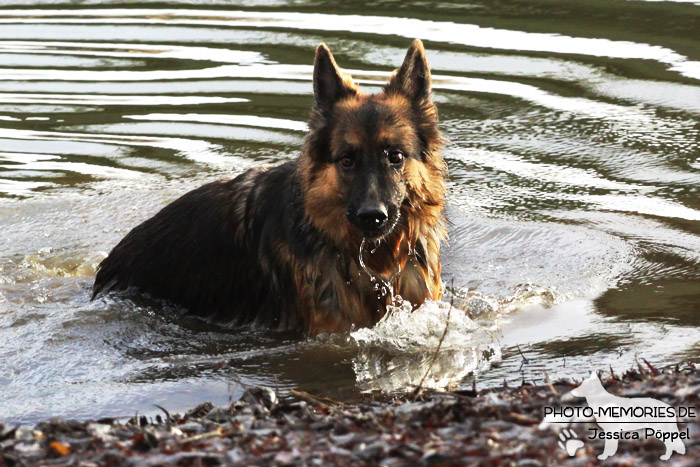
573	131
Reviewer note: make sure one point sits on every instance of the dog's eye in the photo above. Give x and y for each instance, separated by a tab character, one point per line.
347	162
396	157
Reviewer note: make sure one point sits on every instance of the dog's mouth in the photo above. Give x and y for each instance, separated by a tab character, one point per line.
374	234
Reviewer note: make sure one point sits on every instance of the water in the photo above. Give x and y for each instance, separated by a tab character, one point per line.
572	130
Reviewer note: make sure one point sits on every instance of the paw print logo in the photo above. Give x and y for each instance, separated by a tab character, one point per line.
568	441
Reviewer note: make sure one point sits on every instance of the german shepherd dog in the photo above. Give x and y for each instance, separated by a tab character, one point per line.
280	247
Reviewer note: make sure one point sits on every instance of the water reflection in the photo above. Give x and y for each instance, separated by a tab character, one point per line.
439	31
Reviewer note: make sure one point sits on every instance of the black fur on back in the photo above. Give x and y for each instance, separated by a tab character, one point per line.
222	251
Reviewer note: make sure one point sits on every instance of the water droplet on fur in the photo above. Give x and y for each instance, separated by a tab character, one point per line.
385	286
362	261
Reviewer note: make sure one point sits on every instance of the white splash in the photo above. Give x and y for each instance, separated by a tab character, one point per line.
397	353
402	329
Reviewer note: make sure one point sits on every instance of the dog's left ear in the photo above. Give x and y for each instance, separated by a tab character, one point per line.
413	78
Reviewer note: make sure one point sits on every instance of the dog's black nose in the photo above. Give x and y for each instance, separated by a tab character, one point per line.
372	217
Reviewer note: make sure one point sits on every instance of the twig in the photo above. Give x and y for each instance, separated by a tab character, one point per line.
525	361
442	338
322	401
236	378
167	414
654	371
201	436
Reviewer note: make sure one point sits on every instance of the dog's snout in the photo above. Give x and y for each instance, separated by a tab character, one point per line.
372	217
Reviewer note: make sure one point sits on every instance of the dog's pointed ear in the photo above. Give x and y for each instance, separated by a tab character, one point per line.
330	84
413	78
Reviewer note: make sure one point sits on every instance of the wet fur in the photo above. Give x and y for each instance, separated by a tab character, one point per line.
274	247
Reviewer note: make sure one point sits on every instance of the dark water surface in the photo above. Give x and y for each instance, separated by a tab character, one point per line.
573	133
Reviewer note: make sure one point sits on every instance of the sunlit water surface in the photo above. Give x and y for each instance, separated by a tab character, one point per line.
572	130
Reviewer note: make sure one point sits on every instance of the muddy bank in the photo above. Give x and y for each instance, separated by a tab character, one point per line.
500	426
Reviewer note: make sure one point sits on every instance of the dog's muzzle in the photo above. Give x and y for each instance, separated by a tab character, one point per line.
371	220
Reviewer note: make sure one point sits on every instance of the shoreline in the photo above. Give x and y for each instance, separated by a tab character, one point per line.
497	426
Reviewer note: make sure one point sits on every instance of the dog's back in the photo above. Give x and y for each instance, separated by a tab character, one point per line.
209	251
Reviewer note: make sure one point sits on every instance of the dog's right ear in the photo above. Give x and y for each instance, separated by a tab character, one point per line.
330	84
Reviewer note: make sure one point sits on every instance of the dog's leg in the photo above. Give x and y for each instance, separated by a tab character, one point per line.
678	446
609	449
671	446
669	450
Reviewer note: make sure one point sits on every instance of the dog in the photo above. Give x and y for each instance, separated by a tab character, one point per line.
317	244
608	410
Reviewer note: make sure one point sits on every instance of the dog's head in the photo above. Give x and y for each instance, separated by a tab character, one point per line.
369	158
590	387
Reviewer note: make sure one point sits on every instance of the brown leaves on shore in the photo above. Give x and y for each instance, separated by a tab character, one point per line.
497	427
58	450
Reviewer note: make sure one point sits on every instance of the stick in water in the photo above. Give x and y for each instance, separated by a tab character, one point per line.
442	338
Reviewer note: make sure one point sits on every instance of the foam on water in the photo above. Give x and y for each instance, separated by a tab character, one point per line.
400	350
438	344
402	329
